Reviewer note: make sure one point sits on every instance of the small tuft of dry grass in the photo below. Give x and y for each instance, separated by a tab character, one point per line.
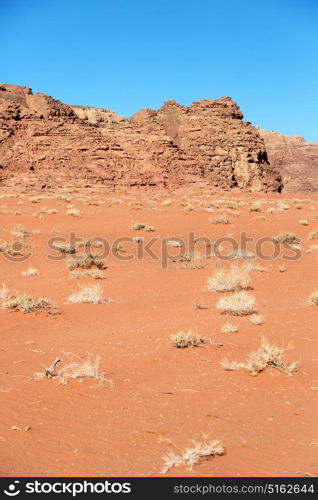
192	455
265	357
313	234
185	339
312	299
220	219
4	292
257	319
94	274
64	247
229	328
19	231
237	304
31	271
303	222
141	225
286	238
91	294
226	280
27	304
86	262
73	212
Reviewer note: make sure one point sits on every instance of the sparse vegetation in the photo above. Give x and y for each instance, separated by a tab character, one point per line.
313	234
220	219
186	339
91	273
192	455
286	238
226	280
141	225
265	357
64	247
312	299
86	262
27	304
31	271
237	304
92	294
257	319
229	328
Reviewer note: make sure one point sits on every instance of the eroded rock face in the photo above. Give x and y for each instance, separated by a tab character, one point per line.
295	159
45	142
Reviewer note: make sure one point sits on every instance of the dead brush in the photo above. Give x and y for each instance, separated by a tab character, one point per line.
186	339
141	225
86	262
312	299
286	238
232	279
267	356
191	455
237	304
64	247
76	368
27	304
91	294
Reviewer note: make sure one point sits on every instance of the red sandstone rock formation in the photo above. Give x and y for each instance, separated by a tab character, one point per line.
45	142
295	159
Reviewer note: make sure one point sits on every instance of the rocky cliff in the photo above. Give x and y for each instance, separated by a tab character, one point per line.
44	142
295	159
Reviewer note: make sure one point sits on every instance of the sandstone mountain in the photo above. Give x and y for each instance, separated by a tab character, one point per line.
295	159
44	142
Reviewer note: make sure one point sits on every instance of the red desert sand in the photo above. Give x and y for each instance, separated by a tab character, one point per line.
99	389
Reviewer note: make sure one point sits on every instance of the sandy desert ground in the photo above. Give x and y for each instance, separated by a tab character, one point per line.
123	397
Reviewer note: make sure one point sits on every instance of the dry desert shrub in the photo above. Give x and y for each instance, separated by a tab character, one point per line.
191	455
4	292
174	243
237	304
303	222
313	234
141	225
79	368
257	319
91	242
27	304
286	238
192	265
64	247
86	262
19	231
227	280
74	212
185	339
76	368
220	219
229	328
312	299
241	253
31	271
95	274
91	294
265	357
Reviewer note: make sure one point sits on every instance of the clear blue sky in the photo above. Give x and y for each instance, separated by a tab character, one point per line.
131	54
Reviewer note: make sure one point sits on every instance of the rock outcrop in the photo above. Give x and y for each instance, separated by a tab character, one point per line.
295	159
44	142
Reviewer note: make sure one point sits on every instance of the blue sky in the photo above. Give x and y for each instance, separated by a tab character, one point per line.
130	54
